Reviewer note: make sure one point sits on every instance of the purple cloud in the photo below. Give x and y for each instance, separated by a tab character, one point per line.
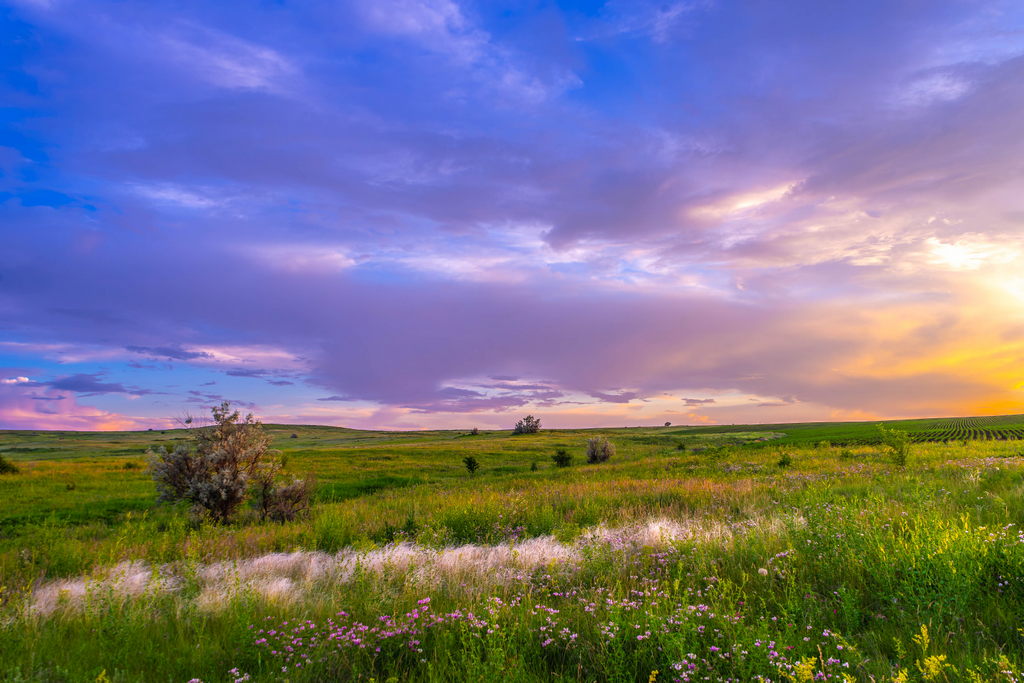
473	210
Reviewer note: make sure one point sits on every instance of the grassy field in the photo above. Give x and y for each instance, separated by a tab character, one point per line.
765	552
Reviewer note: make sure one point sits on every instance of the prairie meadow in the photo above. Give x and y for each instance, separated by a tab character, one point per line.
687	555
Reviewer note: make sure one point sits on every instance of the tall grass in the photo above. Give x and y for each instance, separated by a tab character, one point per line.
711	564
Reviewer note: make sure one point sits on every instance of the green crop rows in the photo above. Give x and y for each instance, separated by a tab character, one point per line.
992	428
1001	428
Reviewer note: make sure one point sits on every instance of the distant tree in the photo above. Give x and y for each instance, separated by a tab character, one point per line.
599	449
471	464
475	431
222	465
668	424
527	425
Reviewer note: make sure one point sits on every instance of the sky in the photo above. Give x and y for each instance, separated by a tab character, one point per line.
407	214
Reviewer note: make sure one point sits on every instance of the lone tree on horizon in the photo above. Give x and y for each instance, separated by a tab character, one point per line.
527	425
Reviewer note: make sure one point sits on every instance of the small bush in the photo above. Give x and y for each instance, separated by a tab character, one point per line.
527	425
785	460
681	446
898	443
562	458
293	436
230	457
471	464
599	449
533	466
7	467
280	502
131	465
475	431
668	424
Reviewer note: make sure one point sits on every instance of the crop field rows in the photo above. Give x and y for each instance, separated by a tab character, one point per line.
1002	428
990	428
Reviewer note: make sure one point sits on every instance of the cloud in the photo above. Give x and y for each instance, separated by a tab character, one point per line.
438	209
245	372
90	384
169	352
621	397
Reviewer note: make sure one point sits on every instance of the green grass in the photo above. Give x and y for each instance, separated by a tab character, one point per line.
839	541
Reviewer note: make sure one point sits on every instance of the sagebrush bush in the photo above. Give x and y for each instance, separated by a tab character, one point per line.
471	464
527	425
227	460
599	449
283	502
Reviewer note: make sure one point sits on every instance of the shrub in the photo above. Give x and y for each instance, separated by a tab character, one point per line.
227	460
681	446
471	464
533	466
528	425
280	502
562	458
898	443
475	431
785	460
599	449
7	467
293	436
668	424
